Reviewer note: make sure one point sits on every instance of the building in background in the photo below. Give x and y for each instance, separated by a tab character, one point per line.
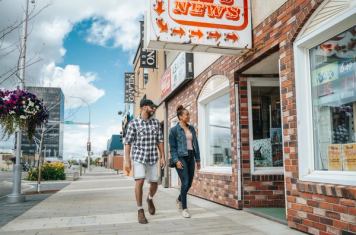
147	77
115	143
113	157
53	99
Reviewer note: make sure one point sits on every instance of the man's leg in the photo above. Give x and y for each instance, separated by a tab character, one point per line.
139	191
153	189
152	175
139	175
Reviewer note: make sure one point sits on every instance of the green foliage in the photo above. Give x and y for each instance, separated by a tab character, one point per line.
50	171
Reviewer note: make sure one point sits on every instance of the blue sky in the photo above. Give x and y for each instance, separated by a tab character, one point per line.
85	49
108	63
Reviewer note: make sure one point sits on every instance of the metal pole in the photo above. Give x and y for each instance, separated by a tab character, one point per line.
16	195
39	165
166	177
89	127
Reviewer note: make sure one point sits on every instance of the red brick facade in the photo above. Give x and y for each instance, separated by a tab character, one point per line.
313	208
215	187
258	190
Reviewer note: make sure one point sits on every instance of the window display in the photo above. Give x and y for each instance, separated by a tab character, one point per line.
333	80
266	124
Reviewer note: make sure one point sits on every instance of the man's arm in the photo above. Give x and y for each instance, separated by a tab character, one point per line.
127	158
161	147
129	139
162	159
127	152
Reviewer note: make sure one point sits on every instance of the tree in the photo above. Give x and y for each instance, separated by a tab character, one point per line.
97	161
17	46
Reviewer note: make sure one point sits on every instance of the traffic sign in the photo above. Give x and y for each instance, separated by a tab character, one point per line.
68	122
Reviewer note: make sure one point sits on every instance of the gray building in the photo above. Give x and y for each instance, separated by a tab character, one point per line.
53	99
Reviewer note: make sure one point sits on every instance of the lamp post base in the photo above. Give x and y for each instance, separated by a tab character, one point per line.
11	198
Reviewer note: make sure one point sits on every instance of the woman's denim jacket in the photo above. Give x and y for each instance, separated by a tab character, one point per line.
178	143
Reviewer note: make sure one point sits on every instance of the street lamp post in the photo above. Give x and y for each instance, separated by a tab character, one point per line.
89	128
16	195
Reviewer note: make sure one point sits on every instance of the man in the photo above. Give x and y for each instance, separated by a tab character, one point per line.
143	137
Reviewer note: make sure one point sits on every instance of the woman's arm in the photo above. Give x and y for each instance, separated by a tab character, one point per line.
197	150
173	148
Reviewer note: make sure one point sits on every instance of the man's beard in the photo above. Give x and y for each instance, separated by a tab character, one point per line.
151	114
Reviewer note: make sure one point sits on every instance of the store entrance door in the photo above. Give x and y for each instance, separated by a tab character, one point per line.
266	146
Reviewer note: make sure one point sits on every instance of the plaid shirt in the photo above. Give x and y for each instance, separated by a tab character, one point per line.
144	136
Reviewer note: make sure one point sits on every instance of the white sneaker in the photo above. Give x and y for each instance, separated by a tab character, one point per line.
179	205
185	213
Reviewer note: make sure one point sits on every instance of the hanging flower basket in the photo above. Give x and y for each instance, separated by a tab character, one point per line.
21	109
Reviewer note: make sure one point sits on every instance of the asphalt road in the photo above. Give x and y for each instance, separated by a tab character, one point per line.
5	176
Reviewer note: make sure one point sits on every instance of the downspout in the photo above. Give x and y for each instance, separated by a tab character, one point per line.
166	169
238	144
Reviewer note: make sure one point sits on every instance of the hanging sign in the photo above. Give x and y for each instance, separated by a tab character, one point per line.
129	88
178	73
148	58
217	26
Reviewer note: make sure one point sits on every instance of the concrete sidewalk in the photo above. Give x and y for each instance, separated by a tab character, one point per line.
104	203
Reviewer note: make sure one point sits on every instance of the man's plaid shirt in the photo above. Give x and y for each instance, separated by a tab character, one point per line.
144	136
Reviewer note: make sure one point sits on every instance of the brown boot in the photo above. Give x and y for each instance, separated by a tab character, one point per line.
141	217
151	206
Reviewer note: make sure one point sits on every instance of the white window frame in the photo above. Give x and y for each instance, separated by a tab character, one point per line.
221	90
327	30
261	82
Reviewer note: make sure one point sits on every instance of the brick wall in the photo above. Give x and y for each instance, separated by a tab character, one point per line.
312	208
219	188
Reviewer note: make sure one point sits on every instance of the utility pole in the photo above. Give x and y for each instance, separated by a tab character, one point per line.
16	195
89	128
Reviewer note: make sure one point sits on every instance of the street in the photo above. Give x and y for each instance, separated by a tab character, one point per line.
5	183
5	176
102	202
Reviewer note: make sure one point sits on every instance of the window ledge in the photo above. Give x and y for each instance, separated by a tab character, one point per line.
278	171
331	177
217	170
332	190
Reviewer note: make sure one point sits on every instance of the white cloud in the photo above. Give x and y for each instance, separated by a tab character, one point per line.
116	25
54	31
73	83
79	136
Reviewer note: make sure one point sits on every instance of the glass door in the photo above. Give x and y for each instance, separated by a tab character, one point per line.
265	125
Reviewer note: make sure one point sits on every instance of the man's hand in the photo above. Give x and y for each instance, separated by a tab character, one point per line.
127	165
162	162
179	165
198	166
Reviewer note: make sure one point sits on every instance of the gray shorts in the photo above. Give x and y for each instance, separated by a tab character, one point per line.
145	171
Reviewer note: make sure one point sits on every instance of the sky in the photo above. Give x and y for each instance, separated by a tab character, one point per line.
82	46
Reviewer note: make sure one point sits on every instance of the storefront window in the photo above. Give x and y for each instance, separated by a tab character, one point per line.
333	80
219	132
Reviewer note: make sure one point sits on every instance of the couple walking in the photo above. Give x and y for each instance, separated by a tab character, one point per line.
144	139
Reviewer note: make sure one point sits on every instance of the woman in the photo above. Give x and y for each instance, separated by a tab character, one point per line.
185	154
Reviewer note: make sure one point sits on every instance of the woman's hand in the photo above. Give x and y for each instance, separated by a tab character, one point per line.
179	165
198	166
